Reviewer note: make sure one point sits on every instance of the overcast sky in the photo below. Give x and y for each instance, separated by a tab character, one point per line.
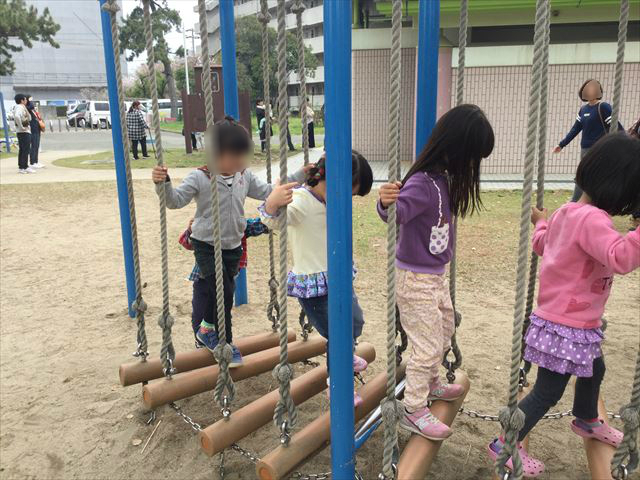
189	18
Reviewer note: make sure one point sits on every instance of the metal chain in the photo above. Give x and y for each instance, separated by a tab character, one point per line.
548	416
388	406
186	418
165	321
225	389
285	415
139	305
512	418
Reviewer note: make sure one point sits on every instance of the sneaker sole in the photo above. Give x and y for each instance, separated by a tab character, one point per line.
433	399
235	365
413	429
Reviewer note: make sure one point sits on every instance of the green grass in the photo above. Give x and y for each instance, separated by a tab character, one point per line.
173	158
295	126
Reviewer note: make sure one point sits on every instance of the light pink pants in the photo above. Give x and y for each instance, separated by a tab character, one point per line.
427	316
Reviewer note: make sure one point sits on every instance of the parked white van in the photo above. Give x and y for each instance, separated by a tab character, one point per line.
93	113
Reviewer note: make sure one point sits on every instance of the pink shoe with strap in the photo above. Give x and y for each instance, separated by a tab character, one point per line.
425	423
359	364
445	391
531	467
603	432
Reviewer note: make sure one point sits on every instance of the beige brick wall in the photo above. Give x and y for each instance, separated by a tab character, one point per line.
370	97
501	91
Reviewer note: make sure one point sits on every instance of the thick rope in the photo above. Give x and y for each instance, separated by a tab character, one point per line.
298	8
139	305
389	407
285	414
225	389
512	418
455	349
628	448
617	83
542	149
273	309
165	321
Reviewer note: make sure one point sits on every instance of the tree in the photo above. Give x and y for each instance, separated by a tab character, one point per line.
179	68
249	57
132	38
141	87
22	23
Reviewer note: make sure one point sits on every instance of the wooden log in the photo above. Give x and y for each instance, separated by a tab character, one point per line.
280	463
242	422
137	372
191	383
599	454
419	453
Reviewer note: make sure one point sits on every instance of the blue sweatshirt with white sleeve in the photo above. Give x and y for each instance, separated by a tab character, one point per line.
591	121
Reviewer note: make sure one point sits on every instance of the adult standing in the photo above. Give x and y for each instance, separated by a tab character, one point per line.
310	117
22	120
594	120
34	124
136	128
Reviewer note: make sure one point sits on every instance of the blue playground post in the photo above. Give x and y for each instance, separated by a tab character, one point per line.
427	81
4	123
118	154
230	82
337	48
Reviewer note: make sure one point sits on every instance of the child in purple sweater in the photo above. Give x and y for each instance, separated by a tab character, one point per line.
442	183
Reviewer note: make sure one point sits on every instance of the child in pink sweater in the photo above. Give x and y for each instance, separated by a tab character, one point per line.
581	251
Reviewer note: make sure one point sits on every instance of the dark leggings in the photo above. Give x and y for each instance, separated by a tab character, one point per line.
549	389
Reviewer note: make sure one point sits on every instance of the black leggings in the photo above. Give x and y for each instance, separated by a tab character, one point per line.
549	389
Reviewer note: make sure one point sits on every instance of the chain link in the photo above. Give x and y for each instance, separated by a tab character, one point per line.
187	419
548	416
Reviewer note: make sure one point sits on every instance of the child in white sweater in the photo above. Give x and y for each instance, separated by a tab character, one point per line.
307	231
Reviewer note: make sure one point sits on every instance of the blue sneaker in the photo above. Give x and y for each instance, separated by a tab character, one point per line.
208	338
236	359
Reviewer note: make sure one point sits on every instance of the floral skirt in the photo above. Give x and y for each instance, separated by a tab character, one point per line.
562	349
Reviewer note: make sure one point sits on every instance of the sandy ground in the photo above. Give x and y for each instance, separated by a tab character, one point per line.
64	331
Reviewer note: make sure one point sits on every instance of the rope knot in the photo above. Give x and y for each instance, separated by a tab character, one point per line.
264	18
511	420
630	417
111	6
298	7
223	353
283	373
139	306
166	321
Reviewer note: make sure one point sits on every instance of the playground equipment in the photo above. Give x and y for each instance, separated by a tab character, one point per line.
196	372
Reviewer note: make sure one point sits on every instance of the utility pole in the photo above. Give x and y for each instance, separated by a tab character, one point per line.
186	58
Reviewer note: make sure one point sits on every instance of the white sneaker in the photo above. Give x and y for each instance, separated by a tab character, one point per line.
30	170
22	170
37	165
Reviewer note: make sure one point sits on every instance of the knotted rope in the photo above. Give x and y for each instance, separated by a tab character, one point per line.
285	414
512	418
542	149
617	83
225	389
167	352
273	309
628	448
389	407
139	305
455	349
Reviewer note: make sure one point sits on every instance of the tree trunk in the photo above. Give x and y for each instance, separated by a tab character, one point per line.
171	83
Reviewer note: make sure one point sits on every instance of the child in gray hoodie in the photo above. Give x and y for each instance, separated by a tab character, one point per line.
235	183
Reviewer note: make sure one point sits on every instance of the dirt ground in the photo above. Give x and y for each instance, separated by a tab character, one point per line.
64	331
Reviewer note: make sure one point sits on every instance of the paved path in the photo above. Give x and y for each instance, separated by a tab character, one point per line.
52	173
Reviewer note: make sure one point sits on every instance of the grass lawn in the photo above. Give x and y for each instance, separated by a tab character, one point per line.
294	126
173	158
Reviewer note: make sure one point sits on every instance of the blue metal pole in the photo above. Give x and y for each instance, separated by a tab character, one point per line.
4	123
427	81
337	61
230	82
118	155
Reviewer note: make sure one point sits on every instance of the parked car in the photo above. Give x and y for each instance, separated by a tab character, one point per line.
95	113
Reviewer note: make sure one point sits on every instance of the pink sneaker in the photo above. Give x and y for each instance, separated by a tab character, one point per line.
445	391
424	423
359	364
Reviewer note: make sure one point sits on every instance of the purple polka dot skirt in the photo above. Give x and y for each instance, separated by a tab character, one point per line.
562	349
